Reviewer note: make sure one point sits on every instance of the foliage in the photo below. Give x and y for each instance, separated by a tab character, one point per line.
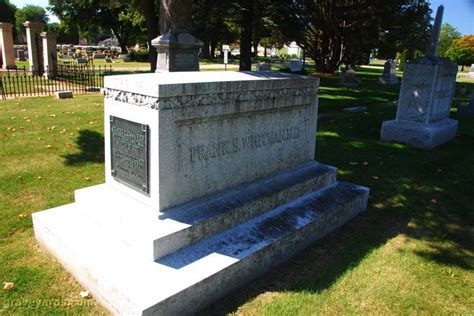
335	32
461	50
7	12
139	56
213	25
30	13
407	27
447	35
119	17
416	233
66	33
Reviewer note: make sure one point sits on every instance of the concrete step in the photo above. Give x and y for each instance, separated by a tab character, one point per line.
193	277
212	214
165	232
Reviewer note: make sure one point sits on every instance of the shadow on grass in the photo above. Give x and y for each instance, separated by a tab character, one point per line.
91	146
423	195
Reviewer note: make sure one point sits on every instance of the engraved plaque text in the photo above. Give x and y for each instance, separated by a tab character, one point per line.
129	153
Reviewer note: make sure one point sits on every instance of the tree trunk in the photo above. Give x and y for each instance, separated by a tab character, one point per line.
152	26
245	63
121	40
255	48
265	51
205	52
213	49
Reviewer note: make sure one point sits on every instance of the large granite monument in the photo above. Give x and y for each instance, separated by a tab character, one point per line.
210	181
424	104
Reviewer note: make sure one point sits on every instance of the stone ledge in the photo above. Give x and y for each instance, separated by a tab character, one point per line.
426	136
196	276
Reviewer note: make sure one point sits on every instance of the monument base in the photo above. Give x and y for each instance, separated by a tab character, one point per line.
202	249
419	135
388	80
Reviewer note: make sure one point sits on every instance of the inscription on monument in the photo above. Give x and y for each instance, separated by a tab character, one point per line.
237	144
129	153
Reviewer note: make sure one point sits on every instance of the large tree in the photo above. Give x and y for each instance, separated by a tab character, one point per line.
335	32
447	35
120	17
461	51
30	13
7	13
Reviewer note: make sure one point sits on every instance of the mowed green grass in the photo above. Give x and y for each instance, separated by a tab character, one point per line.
411	252
45	154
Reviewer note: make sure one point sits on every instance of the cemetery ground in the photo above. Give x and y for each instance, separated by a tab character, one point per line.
410	252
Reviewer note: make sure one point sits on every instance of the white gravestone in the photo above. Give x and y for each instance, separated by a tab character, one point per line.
389	73
210	181
424	104
427	90
471	71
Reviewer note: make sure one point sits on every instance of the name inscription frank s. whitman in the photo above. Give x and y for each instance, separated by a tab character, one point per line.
237	144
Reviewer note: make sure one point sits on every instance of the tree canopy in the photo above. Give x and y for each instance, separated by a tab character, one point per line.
461	50
30	13
331	32
7	11
447	35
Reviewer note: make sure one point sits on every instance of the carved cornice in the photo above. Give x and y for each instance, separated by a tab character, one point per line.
185	101
132	98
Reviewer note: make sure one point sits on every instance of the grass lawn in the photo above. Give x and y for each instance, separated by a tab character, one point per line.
411	252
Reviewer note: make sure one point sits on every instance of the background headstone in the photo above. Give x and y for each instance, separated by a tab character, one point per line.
264	67
471	71
389	73
296	65
20	55
469	109
348	79
424	104
6	46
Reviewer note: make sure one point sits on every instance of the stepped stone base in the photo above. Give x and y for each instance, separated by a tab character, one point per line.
426	136
182	259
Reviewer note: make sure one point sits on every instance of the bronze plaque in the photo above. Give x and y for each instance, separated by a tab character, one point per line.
129	153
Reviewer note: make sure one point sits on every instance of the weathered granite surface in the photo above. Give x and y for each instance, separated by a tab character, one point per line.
222	186
177	51
213	130
424	104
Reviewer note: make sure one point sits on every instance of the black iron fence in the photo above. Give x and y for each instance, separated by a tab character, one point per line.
77	78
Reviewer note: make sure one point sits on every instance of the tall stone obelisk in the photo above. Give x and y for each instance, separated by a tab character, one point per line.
177	49
424	104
